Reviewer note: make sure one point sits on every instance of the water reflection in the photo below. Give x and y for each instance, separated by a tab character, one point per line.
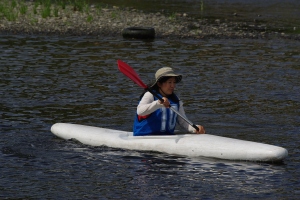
197	174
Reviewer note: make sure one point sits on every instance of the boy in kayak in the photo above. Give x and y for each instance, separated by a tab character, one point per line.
153	116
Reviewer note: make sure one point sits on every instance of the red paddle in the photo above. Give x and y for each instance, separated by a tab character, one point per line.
130	73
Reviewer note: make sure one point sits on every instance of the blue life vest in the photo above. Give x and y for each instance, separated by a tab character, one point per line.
160	122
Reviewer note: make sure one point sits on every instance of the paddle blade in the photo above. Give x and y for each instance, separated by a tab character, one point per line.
130	73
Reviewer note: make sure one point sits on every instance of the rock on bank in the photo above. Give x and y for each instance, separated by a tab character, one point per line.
104	21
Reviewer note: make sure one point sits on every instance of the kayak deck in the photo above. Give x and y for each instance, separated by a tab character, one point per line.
192	145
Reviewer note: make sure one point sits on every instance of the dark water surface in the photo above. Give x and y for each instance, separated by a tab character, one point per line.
245	89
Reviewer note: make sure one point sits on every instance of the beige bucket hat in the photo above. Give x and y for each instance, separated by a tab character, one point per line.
166	71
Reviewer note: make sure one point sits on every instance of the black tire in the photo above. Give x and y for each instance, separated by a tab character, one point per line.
139	32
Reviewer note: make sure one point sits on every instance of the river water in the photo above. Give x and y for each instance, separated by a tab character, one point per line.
245	89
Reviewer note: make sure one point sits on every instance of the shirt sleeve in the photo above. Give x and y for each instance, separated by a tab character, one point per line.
147	105
182	122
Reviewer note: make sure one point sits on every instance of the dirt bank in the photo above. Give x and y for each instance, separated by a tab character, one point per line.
110	21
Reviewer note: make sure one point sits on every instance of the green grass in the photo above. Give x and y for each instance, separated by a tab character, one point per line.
61	3
11	10
35	6
13	4
115	15
46	8
46	12
8	11
2	8
80	5
55	11
89	18
23	8
46	3
201	6
172	16
10	15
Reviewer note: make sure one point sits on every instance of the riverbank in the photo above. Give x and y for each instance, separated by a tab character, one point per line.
40	17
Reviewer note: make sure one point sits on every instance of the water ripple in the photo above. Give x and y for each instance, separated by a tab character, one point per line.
246	89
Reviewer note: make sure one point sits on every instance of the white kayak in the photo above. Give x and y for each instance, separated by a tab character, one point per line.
192	145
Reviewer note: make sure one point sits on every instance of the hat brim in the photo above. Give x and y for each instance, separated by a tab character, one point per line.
177	78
